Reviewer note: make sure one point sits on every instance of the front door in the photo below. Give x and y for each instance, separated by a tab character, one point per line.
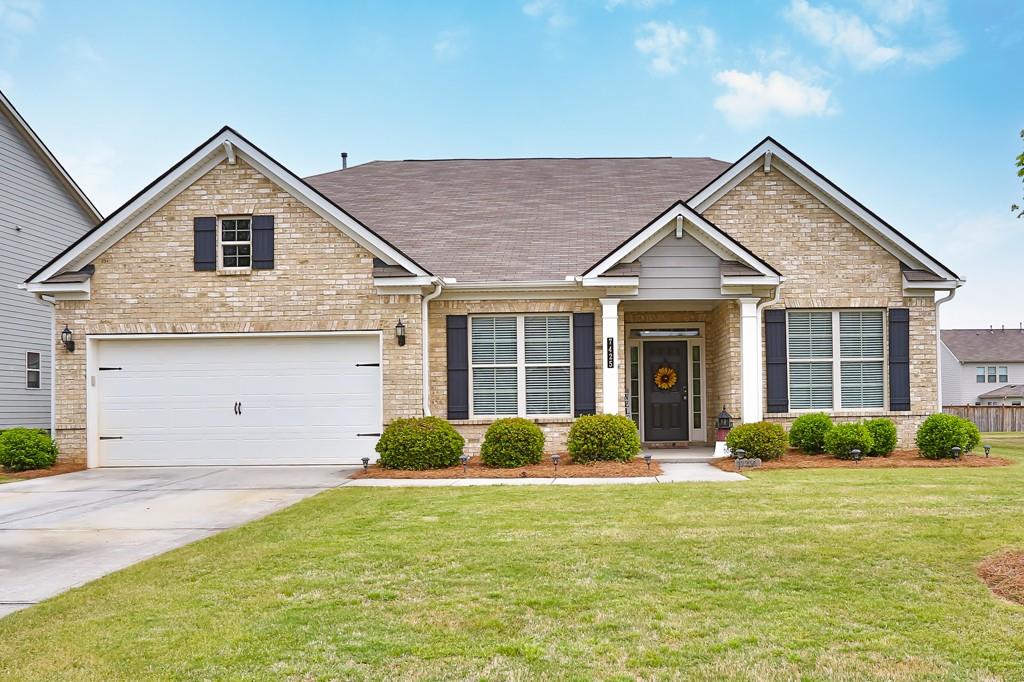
666	402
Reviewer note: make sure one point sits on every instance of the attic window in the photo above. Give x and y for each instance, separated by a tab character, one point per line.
236	243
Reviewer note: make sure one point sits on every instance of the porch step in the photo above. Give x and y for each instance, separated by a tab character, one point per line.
697	455
666	445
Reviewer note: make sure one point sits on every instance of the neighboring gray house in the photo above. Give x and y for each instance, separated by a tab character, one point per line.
982	366
42	211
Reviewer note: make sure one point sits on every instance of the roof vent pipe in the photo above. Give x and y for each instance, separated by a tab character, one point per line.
344	160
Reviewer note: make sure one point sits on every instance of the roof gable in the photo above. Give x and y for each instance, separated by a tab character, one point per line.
771	154
226	144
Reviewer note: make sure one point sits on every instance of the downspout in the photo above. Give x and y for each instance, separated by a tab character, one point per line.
760	332
53	364
938	345
425	343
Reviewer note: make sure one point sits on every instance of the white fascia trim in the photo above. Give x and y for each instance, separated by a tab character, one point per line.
61	290
751	281
537	285
822	189
198	164
926	287
708	235
22	125
398	282
631	282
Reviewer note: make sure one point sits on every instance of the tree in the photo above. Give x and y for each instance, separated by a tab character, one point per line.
1020	174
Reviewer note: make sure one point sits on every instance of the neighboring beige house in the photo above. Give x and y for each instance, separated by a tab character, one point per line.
982	366
232	312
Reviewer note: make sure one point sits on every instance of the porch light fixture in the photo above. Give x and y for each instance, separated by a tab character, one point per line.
988	449
724	419
400	333
67	338
663	333
465	460
956	452
366	463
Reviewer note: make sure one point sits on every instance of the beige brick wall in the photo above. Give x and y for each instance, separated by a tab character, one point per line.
555	430
321	281
829	263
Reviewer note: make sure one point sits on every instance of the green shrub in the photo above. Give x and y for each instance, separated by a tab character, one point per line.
423	443
603	437
808	432
939	433
24	449
883	434
759	439
512	442
843	439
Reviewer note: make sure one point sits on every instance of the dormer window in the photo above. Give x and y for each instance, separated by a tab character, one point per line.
236	243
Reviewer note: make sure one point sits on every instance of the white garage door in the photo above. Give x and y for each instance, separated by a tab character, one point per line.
257	400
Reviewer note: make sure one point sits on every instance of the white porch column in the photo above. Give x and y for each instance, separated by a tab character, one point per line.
610	355
750	361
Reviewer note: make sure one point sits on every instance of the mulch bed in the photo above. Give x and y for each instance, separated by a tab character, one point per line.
476	469
55	470
1004	575
794	459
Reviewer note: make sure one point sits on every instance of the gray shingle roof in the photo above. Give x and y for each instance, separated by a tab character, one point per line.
513	219
985	345
1008	391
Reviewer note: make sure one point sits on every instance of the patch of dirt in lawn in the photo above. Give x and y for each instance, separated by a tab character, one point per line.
795	459
476	469
55	470
1004	575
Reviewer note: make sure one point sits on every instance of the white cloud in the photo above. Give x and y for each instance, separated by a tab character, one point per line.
707	39
635	4
19	16
551	11
664	43
752	96
871	45
450	44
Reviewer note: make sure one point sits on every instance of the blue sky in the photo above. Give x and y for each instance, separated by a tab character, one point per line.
912	106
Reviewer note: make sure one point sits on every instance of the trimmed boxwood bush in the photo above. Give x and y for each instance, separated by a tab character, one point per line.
512	442
843	439
766	440
883	435
808	432
423	443
939	433
603	437
24	449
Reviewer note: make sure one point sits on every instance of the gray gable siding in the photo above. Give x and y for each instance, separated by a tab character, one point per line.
35	201
679	269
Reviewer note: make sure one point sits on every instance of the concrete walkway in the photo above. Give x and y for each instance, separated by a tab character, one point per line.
671	473
62	531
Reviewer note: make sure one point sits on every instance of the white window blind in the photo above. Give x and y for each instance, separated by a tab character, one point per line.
862	353
829	369
548	370
495	370
809	337
521	364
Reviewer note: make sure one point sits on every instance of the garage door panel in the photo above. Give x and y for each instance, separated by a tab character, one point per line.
304	400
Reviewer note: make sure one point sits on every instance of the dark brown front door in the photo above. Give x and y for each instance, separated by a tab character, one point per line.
666	403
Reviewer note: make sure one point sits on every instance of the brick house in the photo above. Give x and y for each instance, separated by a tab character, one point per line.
232	312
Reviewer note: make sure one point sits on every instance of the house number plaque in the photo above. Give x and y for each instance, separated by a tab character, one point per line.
611	353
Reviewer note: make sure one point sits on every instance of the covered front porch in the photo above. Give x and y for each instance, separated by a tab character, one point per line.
680	363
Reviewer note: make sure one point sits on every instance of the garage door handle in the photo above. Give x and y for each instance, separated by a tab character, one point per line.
239	408
373	435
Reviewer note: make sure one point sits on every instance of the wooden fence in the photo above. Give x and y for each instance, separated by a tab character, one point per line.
990	417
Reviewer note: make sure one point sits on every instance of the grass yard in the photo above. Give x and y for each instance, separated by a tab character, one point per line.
814	574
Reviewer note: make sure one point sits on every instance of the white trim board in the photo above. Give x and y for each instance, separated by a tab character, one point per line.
207	156
825	191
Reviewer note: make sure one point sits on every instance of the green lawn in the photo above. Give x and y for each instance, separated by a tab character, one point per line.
828	574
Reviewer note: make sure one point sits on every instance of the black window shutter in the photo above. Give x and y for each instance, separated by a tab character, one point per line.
584	367
899	359
263	242
204	254
775	360
458	366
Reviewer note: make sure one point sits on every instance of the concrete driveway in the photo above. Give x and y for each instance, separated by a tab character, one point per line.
62	531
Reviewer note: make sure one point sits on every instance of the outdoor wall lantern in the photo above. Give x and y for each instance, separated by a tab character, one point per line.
724	419
988	449
66	337
400	333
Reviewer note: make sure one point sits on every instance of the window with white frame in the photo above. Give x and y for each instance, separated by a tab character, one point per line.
836	358
981	375
33	370
236	242
1003	375
521	365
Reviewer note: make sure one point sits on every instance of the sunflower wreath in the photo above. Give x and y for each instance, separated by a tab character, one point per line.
665	378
